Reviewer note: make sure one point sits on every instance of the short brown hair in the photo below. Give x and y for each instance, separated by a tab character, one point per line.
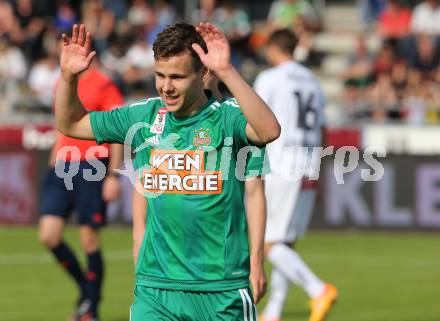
284	39
175	40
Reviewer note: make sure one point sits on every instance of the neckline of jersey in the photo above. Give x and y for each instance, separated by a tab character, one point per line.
211	100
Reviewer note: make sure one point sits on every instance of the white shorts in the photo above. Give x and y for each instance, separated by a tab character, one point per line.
289	208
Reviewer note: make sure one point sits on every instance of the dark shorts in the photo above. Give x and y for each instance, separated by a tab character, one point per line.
85	198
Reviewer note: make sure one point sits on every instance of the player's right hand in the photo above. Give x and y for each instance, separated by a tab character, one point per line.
76	54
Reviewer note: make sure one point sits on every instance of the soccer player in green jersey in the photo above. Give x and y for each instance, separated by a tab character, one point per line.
193	263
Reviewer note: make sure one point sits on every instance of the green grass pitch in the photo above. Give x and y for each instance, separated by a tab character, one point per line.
380	276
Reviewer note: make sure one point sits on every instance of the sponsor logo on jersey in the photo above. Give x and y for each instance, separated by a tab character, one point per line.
180	172
153	140
159	122
201	137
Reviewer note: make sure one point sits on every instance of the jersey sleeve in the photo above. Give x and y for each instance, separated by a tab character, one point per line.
112	126
236	122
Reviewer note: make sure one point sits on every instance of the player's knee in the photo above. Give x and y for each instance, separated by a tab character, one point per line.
49	240
89	241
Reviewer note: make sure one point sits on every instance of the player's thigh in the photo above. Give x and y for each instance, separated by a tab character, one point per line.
281	199
56	199
89	203
303	213
235	305
150	304
50	230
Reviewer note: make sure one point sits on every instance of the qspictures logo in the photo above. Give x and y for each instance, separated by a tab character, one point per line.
180	172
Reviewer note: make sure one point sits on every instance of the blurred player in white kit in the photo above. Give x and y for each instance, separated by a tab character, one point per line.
296	98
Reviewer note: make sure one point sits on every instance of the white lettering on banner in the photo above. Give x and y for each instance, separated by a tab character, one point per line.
35	139
387	215
346	204
428	196
345	200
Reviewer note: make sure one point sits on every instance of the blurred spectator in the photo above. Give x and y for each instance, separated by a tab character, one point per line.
139	74
234	22
425	59
382	97
12	63
114	60
144	21
300	16
32	26
12	71
9	26
165	13
117	7
139	13
205	12
43	77
426	18
399	78
99	21
414	105
360	64
394	21
65	16
288	13
384	59
358	75
370	11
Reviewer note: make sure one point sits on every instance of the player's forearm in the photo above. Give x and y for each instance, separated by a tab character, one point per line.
256	218
139	221
115	162
257	228
68	108
257	113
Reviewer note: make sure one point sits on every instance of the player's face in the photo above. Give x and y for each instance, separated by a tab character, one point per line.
178	84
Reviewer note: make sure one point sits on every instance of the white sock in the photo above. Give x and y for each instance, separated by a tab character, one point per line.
278	289
295	269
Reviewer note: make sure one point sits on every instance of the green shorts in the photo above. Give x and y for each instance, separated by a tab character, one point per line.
152	304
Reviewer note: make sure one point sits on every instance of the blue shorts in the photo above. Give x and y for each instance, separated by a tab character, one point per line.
85	198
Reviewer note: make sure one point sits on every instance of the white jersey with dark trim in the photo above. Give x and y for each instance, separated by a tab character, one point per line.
295	96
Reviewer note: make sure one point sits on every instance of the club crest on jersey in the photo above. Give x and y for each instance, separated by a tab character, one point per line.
159	122
201	137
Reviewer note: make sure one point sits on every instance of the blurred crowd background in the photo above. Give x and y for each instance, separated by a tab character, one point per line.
378	59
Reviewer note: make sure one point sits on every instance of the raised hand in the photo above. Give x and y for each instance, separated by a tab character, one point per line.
219	53
76	54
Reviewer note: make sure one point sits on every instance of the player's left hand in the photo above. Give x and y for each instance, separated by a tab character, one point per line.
257	278
218	57
111	188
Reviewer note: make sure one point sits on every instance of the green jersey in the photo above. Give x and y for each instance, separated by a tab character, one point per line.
193	169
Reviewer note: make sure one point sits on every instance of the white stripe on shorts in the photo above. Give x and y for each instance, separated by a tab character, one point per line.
245	307
251	305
